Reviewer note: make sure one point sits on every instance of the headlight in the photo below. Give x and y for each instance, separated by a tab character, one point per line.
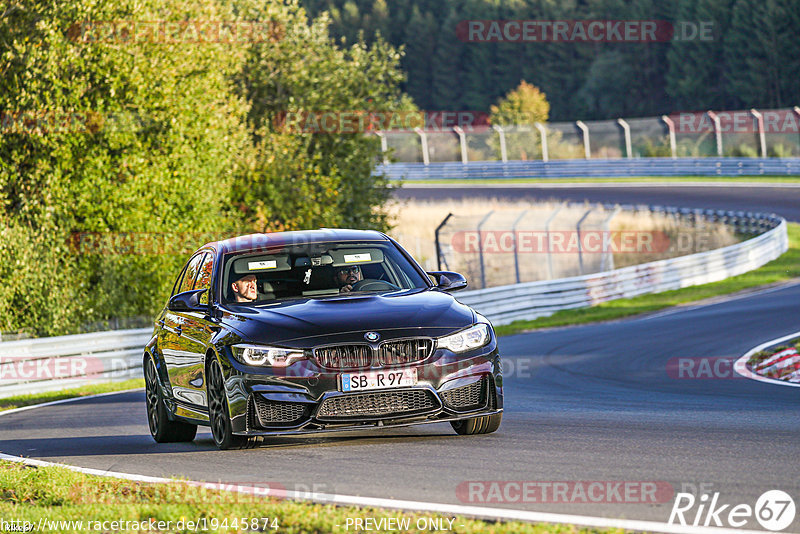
471	338
266	356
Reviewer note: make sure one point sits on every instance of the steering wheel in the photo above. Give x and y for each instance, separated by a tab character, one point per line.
370	284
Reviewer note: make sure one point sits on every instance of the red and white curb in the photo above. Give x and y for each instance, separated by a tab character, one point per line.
777	361
478	512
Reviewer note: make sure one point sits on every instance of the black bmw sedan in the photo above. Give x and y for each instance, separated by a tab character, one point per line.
317	331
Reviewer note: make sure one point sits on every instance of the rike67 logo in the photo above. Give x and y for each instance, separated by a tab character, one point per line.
774	510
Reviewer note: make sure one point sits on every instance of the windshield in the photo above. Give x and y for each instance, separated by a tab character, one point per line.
317	270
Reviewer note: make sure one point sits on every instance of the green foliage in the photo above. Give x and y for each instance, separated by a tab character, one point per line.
750	60
525	105
649	149
762	53
743	150
163	169
55	495
306	179
517	112
164	146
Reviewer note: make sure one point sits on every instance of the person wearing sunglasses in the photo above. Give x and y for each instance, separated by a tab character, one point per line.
347	277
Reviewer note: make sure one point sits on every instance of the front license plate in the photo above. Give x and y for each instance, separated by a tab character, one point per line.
378	379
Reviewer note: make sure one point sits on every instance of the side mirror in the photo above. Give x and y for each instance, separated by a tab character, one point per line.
448	280
188	301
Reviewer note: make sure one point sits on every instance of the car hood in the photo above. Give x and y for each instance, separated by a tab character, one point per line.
347	318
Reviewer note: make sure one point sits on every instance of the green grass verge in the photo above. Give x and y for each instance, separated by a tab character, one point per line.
9	403
627	179
784	268
53	494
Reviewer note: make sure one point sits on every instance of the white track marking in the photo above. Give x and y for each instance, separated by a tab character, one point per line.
64	401
410	506
741	364
351	500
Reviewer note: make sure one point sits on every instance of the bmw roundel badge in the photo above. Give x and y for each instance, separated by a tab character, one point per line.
372	336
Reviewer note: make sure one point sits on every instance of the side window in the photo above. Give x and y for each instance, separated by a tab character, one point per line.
191	273
178	282
204	278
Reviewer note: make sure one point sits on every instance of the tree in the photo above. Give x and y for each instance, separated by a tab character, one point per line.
300	177
761	53
418	62
446	66
525	105
517	113
141	139
696	76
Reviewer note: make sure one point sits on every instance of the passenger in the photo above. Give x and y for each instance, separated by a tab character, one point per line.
244	287
347	277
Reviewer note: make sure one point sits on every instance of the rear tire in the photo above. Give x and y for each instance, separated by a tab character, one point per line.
218	413
485	424
161	428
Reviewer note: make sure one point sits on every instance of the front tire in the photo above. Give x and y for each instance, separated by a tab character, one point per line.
218	413
161	428
485	424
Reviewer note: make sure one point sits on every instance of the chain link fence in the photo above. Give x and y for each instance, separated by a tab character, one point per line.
747	133
553	241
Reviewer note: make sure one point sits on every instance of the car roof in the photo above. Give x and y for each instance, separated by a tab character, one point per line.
266	240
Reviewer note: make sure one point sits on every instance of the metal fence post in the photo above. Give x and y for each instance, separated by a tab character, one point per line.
439	255
462	138
608	255
717	130
543	133
423	137
626	129
585	129
547	236
516	243
503	150
384	147
762	138
673	146
580	248
480	248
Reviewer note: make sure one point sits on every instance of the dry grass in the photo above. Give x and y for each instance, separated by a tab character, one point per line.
415	223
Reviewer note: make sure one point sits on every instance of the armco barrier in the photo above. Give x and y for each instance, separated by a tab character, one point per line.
47	364
53	363
582	168
503	305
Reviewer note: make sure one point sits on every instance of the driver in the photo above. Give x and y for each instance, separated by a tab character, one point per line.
347	277
244	288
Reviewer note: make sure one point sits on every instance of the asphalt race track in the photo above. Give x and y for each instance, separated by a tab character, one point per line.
589	403
592	403
783	200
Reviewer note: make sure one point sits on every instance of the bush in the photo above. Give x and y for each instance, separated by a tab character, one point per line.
137	138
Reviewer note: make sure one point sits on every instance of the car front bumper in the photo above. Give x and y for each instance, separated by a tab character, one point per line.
308	399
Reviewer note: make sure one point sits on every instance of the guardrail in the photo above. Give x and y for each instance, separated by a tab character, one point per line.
505	304
53	363
48	364
582	168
